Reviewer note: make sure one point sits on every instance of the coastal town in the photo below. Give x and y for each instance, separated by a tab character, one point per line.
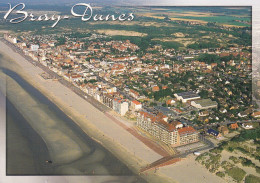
166	93
171	95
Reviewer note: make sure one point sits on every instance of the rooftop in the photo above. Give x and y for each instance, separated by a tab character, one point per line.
206	102
136	102
188	94
186	130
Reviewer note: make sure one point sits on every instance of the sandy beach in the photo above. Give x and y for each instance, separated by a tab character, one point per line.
122	144
97	125
70	155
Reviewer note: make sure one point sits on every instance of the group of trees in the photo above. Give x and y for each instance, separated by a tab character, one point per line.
162	93
209	58
147	41
248	135
90	81
61	41
79	35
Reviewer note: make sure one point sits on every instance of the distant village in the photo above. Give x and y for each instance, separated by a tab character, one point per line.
167	93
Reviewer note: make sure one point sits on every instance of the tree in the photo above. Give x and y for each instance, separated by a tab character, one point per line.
204	94
209	58
61	41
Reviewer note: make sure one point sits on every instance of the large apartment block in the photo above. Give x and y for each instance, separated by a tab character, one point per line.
108	100
173	134
120	106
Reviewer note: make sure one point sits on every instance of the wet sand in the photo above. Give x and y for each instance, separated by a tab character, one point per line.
26	151
123	145
71	151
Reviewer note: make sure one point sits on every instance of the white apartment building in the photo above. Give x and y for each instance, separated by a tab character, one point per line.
120	106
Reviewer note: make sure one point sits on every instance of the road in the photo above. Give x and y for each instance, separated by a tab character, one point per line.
104	108
177	157
231	122
153	146
54	75
126	95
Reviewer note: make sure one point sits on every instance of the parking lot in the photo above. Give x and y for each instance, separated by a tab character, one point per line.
190	147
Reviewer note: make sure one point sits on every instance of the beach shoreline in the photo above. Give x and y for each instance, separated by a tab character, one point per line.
131	159
119	142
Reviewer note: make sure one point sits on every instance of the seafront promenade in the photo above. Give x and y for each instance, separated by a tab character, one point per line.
128	148
149	143
102	128
155	147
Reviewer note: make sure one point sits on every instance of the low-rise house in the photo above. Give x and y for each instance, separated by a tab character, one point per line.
223	129
247	126
134	93
256	114
223	110
242	114
214	133
155	88
170	102
204	113
136	105
233	126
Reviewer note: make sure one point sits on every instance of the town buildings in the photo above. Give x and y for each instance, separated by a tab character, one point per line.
186	96
10	38
173	134
136	105
204	104
214	133
114	74
120	106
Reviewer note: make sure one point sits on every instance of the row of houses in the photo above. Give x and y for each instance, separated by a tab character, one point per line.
173	134
10	38
112	99
224	130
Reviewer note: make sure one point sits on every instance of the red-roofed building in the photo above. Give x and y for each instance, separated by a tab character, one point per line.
120	106
164	87
134	93
136	105
233	126
155	88
256	114
188	135
173	134
170	102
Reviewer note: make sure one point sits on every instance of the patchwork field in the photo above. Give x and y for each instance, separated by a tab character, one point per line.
235	20
120	32
136	22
